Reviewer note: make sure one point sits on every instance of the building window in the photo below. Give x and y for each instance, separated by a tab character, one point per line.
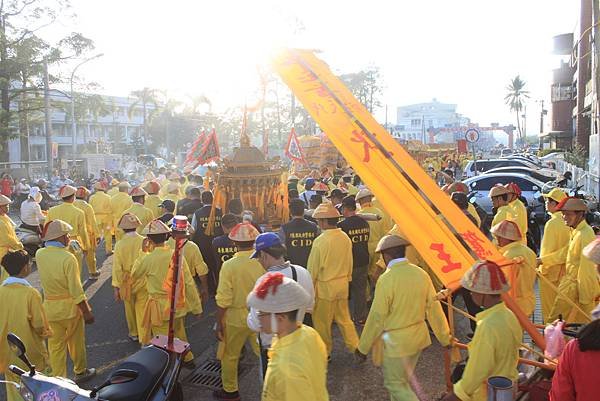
561	92
400	127
415	122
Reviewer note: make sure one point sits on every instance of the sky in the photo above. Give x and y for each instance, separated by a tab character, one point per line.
462	51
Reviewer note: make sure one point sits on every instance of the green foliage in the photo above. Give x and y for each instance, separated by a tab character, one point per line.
366	86
514	98
22	52
545	152
577	156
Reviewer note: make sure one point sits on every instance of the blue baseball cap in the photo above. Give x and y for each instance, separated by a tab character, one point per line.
264	241
309	181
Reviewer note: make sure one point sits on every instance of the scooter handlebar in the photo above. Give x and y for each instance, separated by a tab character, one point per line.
16	370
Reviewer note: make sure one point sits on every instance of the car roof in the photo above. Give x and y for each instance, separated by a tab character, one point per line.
514	175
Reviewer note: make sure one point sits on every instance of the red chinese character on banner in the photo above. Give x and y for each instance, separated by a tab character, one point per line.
445	257
361	137
476	244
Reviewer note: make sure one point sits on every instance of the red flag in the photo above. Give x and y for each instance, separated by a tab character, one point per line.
293	150
210	150
194	151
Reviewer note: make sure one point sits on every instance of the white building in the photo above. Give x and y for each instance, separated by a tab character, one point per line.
414	121
114	130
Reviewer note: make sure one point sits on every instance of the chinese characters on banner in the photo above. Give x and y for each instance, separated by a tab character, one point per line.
451	242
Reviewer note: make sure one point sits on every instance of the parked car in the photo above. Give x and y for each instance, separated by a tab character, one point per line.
542	175
530	190
488	164
506	152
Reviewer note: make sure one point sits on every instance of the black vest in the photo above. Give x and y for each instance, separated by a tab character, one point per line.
358	230
299	237
202	216
224	249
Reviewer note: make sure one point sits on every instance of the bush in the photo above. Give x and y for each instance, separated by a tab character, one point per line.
577	157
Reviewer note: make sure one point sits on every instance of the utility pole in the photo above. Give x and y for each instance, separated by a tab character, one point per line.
542	113
48	121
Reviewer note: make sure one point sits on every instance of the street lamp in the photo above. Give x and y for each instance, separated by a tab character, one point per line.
73	124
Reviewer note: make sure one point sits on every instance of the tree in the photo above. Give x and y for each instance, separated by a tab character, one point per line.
145	97
22	53
514	99
366	86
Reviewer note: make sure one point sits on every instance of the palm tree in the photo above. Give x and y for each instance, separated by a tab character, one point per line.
145	97
198	101
514	99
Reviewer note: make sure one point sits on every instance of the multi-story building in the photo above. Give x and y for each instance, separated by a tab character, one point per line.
414	122
114	129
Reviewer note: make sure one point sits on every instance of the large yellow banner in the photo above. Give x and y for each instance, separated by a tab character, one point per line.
448	241
442	234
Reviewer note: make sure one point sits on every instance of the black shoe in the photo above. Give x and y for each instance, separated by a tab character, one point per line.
226	395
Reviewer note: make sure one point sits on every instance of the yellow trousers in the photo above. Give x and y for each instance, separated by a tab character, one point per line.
547	297
68	335
397	376
90	260
325	313
562	307
11	392
139	302
131	317
235	338
179	333
105	226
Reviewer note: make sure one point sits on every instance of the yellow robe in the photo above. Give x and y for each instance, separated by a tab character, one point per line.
8	241
127	250
22	314
524	275
92	233
118	204
404	299
236	280
101	204
494	351
152	202
141	212
193	257
72	215
509	213
580	283
553	253
155	267
330	266
61	282
297	368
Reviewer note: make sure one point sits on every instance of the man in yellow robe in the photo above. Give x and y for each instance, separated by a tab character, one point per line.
100	202
137	208
330	265
8	237
553	255
156	266
120	202
580	283
404	299
494	350
522	273
23	315
297	368
91	225
64	301
236	280
127	250
153	200
72	215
